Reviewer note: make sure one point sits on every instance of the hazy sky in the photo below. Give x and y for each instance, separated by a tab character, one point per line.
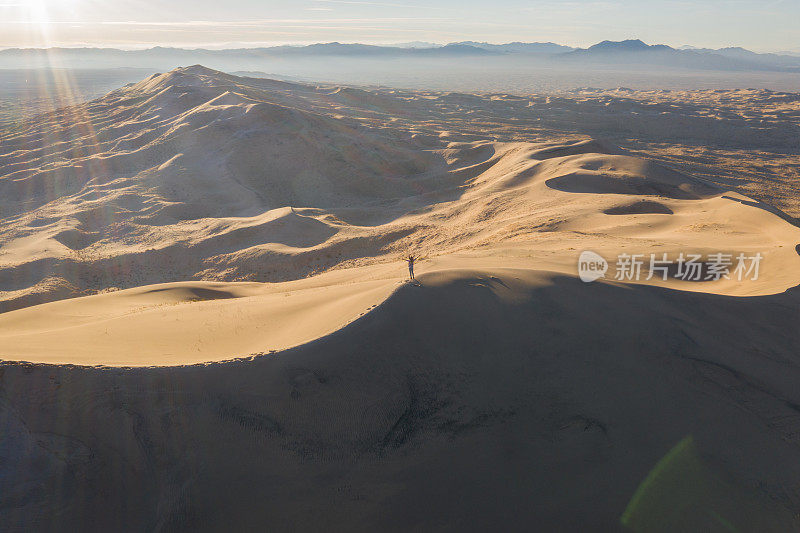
762	25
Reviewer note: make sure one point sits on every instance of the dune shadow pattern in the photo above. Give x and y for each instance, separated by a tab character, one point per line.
515	400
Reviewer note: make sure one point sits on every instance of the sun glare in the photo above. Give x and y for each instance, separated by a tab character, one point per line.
34	11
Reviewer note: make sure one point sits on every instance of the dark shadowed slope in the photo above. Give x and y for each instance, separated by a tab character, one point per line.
507	400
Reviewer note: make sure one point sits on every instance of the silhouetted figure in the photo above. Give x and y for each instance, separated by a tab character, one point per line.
411	260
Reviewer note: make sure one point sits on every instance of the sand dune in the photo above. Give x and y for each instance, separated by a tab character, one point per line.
186	323
218	178
478	392
206	323
516	204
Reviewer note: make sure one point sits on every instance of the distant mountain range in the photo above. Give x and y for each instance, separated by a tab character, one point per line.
637	52
521	48
621	53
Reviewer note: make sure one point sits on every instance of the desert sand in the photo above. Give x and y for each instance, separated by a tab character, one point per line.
207	323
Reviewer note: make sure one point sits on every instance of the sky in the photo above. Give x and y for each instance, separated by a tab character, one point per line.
759	25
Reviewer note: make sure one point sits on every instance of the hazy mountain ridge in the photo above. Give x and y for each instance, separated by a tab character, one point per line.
521	48
638	52
621	52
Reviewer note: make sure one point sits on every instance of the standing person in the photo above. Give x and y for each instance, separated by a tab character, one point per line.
411	260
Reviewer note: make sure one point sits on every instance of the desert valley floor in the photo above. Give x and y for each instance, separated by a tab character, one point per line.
205	323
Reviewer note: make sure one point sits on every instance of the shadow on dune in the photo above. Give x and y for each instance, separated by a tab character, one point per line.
642	207
196	293
794	221
579	182
514	401
593	146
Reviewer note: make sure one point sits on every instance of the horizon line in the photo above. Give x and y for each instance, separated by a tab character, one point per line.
395	44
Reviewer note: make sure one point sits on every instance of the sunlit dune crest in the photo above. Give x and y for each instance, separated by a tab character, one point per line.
199	175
